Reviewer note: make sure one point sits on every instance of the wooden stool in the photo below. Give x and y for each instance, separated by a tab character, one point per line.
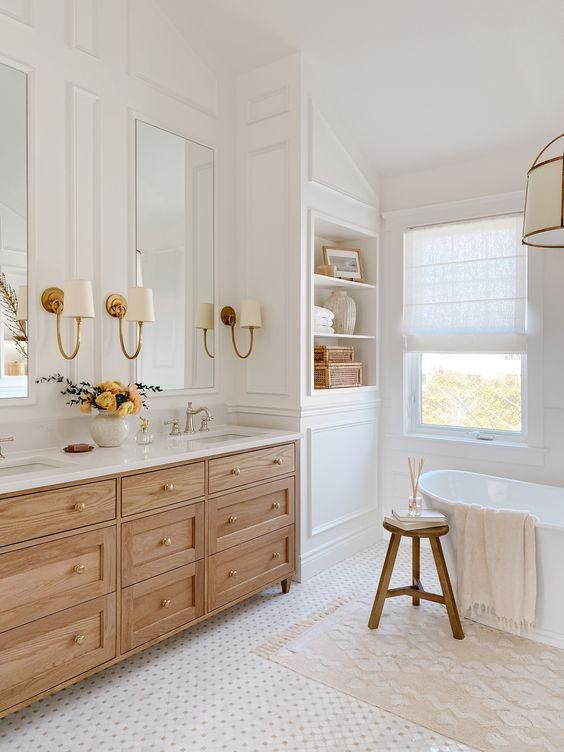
416	590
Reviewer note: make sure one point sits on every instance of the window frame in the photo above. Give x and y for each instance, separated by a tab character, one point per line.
413	407
412	371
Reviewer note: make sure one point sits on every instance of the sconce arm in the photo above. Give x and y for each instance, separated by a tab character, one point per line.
60	339
249	351
139	339
208	353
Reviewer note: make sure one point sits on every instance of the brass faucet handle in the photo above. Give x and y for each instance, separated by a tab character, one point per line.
204	424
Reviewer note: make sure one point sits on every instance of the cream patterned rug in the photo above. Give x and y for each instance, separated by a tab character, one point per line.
491	691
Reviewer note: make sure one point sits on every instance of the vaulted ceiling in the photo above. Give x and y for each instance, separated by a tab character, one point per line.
417	82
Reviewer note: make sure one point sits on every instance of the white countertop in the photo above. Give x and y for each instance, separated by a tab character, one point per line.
69	468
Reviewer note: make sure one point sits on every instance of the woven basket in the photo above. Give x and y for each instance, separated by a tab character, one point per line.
333	354
337	375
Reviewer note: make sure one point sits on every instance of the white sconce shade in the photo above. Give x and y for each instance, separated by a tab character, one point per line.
140	304
543	224
78	299
21	313
250	314
204	316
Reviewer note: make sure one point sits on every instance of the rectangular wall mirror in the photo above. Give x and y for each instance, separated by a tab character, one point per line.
175	256
13	234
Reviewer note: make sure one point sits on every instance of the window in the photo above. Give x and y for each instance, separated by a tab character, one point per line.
465	328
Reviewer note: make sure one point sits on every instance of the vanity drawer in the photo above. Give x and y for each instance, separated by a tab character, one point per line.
240	516
240	570
160	488
154	607
52	576
248	467
33	515
49	651
155	544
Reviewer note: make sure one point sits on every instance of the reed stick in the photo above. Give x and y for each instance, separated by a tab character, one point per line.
415	471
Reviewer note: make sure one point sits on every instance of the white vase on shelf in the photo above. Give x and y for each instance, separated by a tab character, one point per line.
344	308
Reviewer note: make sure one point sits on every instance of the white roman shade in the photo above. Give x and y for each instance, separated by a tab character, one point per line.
465	287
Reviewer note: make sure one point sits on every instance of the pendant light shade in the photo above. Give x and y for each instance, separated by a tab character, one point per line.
543	225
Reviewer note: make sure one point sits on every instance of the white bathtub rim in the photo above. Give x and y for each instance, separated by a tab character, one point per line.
433	495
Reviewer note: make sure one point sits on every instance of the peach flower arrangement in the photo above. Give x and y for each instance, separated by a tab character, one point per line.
110	396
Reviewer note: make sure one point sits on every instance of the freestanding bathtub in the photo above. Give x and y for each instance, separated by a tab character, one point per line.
441	489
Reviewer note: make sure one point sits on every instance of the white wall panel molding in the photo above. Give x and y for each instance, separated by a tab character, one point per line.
268	260
268	104
340	547
340	473
19	10
179	73
83	31
83	202
330	164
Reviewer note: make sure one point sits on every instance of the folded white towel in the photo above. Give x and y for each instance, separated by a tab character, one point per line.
496	567
323	330
321	322
324	313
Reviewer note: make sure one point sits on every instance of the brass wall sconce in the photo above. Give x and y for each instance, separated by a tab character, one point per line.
76	302
251	319
205	321
137	307
543	221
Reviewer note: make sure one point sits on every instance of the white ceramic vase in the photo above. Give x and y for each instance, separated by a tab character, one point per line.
344	309
109	429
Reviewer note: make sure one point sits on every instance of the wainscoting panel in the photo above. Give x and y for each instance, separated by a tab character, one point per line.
83	26
267	105
342	470
20	10
330	164
179	73
267	255
83	201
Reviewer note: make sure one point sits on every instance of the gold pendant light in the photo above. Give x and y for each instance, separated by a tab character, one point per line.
543	223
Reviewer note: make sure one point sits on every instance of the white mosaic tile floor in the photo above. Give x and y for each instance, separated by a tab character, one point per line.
206	691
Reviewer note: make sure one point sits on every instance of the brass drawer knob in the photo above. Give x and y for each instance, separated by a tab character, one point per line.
79	639
276	505
168	487
278	461
235	471
232	572
80	507
276	555
232	519
167	603
166	542
79	568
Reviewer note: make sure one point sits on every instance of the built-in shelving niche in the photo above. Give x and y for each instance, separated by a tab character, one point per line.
329	232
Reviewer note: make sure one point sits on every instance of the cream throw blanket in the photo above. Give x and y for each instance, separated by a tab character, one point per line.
496	568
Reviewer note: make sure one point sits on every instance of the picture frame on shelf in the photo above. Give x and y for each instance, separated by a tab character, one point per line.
348	262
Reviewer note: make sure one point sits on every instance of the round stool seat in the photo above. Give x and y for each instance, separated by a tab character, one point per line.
424	532
416	591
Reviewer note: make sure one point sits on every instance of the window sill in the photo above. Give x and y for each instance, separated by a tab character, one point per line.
447	446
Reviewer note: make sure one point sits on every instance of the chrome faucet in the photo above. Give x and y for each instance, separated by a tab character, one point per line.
6	438
189	428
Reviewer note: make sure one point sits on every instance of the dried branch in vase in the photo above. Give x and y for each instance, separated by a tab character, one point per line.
9	308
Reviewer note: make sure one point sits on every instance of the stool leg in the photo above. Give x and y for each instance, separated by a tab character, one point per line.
442	571
385	578
415	567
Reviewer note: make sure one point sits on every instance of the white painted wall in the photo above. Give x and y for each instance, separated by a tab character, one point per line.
291	166
494	183
93	65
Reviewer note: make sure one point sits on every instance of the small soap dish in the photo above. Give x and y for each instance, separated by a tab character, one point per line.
77	448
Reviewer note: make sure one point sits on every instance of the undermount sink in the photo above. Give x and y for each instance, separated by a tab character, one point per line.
221	438
29	465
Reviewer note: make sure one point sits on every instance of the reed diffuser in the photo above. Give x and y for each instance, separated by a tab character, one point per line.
415	470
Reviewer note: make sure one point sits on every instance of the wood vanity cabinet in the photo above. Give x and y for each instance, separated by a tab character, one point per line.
95	571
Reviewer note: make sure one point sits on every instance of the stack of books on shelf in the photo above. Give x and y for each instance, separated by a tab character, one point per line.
405	520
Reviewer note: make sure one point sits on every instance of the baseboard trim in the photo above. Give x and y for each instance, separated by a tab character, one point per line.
329	554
